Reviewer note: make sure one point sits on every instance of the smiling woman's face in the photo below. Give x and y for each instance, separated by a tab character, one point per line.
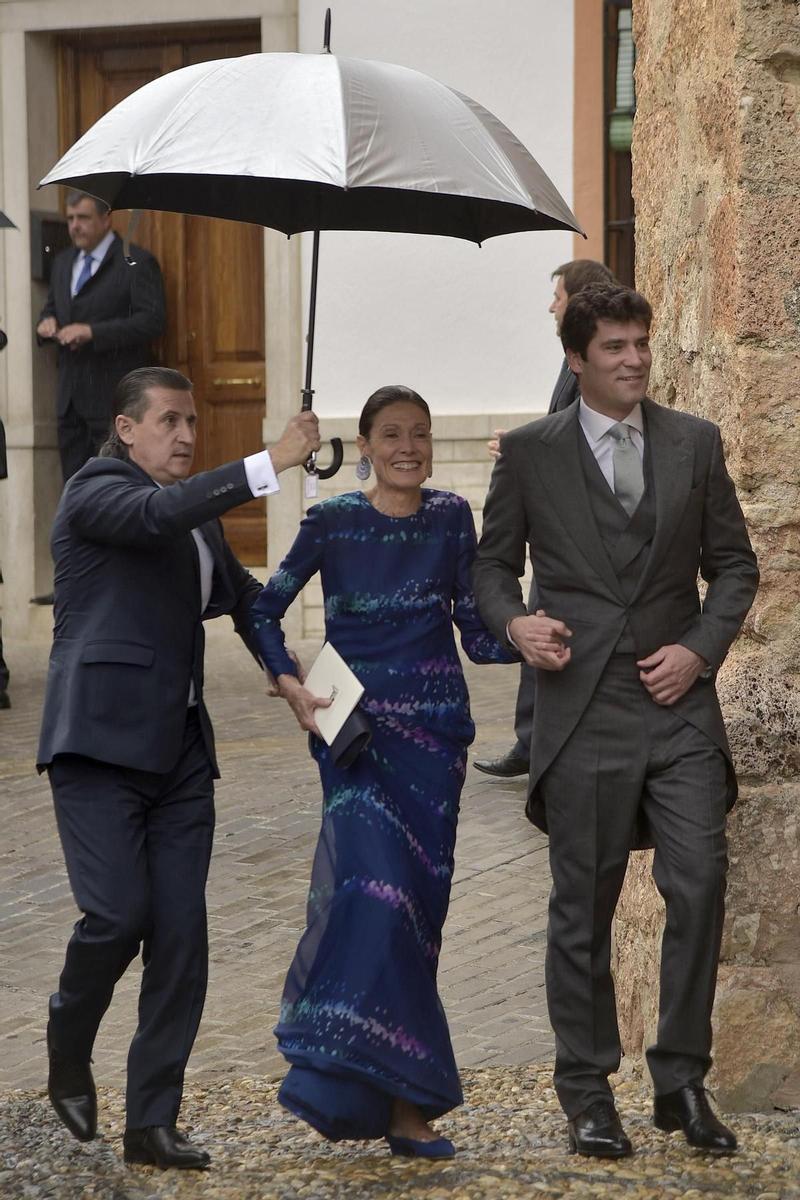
399	446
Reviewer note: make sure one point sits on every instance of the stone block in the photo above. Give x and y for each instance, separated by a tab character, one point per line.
756	1049
716	182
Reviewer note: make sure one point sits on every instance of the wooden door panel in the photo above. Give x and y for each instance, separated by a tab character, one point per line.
227	357
213	270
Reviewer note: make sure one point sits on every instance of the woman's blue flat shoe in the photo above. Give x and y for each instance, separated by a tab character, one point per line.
411	1148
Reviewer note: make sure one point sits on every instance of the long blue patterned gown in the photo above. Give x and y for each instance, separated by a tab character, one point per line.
361	1021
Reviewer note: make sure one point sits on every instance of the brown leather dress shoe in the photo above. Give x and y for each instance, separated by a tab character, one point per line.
597	1132
71	1090
688	1109
163	1146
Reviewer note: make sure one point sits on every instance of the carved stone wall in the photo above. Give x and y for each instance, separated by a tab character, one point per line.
717	189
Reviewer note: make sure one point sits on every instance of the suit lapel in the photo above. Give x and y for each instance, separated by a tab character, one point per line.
672	464
559	465
64	283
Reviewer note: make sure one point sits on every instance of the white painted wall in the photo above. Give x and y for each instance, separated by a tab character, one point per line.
466	327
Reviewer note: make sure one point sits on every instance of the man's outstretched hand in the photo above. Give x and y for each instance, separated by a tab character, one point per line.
541	640
670	672
298	440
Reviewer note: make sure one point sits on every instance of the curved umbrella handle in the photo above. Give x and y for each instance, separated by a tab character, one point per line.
338	458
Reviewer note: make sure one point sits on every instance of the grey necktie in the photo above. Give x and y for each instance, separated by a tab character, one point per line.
628	474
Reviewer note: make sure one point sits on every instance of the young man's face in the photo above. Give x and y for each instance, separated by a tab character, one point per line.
162	443
616	371
87	227
559	303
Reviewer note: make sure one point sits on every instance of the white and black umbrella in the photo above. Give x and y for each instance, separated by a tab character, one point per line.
305	142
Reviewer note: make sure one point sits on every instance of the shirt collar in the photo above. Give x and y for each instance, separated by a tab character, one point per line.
595	425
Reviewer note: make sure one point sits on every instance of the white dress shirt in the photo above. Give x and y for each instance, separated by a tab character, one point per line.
97	255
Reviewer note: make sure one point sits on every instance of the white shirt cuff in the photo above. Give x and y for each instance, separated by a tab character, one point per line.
510	639
261	477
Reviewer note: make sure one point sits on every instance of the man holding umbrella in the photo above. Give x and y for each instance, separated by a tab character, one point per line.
140	562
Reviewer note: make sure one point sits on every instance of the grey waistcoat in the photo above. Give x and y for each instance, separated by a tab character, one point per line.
626	539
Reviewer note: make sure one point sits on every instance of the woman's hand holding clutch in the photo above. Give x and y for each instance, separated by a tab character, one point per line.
303	704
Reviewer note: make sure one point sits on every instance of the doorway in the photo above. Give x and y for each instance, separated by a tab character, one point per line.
213	270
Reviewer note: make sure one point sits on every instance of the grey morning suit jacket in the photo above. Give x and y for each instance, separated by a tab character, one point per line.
538	497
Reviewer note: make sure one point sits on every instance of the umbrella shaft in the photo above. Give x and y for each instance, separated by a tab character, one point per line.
308	392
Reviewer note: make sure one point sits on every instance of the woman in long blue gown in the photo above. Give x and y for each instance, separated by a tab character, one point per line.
361	1021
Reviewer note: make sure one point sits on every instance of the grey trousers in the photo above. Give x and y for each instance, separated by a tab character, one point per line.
523	713
625	752
526	695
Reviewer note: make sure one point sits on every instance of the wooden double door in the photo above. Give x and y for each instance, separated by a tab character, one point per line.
213	269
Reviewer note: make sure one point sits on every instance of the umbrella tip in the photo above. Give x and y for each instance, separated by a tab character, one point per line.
326	46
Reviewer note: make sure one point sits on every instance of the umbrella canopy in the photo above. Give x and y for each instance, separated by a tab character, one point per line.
308	142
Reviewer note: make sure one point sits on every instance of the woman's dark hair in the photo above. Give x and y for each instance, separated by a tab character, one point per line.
393	393
600	302
131	399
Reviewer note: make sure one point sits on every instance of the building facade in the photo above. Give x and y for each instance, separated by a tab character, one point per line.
467	327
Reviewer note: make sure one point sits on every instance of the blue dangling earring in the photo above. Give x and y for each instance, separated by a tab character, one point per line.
363	468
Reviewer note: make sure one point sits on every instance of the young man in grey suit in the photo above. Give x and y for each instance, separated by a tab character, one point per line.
569	278
622	502
140	562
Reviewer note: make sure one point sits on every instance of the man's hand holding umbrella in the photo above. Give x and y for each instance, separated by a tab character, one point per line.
299	439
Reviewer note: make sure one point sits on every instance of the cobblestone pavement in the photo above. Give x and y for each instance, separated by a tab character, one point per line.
510	1133
268	805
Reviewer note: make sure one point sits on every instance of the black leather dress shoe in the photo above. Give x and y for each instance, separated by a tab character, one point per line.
597	1132
5	701
72	1093
507	766
688	1109
163	1146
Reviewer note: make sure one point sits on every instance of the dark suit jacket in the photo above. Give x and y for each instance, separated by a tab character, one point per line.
538	497
128	635
124	305
566	391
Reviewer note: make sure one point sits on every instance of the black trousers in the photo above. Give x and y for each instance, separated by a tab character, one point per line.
523	713
526	697
5	674
79	439
137	847
625	752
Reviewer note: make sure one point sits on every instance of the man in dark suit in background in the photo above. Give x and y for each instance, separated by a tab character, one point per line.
621	502
140	562
569	278
103	312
